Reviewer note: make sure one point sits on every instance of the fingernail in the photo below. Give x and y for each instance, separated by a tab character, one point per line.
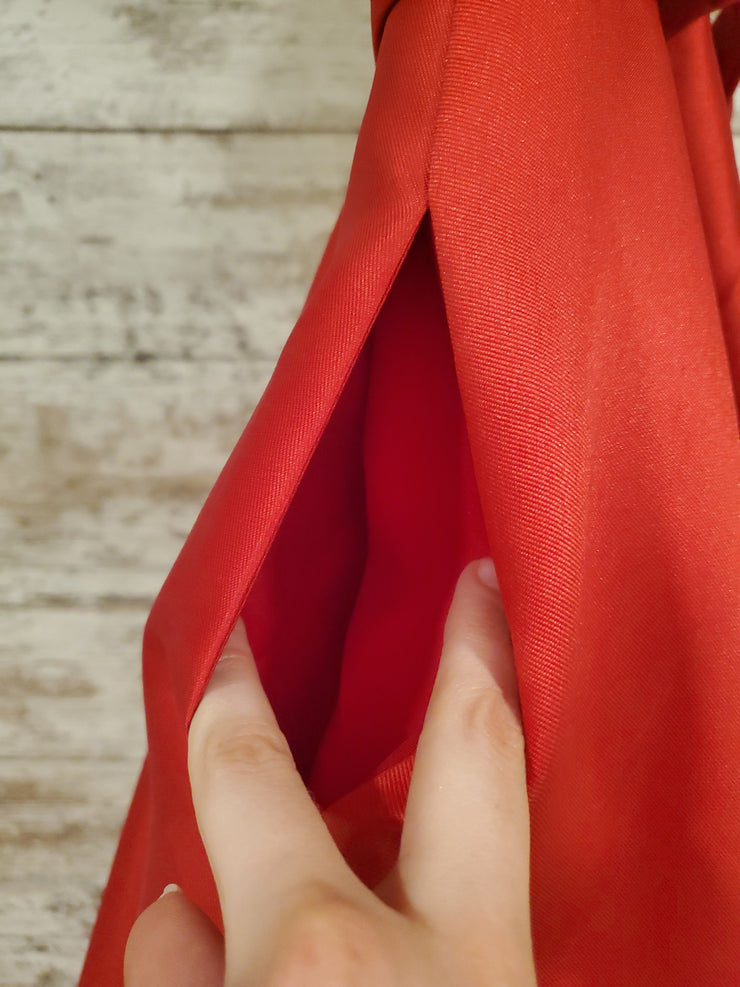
237	641
236	644
169	889
487	573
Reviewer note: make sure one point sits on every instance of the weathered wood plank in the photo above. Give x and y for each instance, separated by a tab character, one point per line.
187	64
200	64
33	960
178	246
70	684
72	739
58	807
103	468
58	831
149	282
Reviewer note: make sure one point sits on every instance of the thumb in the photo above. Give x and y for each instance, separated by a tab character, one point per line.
173	943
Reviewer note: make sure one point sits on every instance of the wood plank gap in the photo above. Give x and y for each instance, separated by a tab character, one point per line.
132	358
9	128
59	602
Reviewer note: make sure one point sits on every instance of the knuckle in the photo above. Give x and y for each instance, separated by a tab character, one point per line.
334	942
245	747
485	718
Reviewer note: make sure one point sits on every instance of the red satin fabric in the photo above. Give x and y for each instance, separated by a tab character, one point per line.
523	338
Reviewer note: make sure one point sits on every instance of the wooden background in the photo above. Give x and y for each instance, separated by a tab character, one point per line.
169	175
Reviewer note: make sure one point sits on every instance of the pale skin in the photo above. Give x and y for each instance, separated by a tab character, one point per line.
453	911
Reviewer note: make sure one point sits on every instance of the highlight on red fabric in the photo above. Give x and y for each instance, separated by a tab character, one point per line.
523	339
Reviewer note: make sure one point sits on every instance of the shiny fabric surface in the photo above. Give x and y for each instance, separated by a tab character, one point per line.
523	339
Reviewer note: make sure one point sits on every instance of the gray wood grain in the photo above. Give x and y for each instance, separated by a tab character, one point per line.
63	671
177	246
109	464
149	283
185	64
58	828
149	280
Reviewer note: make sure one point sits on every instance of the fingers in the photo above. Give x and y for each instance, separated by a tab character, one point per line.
463	866
173	943
464	857
268	846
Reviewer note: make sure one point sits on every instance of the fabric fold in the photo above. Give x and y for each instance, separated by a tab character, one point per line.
522	340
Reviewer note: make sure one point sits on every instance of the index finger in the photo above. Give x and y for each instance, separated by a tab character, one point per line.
268	846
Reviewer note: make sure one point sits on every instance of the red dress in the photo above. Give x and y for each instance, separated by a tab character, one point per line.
523	338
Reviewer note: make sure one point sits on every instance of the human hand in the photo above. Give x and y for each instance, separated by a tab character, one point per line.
453	911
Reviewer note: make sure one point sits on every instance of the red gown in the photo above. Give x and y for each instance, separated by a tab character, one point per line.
523	338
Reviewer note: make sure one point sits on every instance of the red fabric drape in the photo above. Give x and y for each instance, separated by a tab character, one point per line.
523	338
677	14
726	31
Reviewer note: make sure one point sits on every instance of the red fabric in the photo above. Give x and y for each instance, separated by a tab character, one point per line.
677	14
726	31
523	338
